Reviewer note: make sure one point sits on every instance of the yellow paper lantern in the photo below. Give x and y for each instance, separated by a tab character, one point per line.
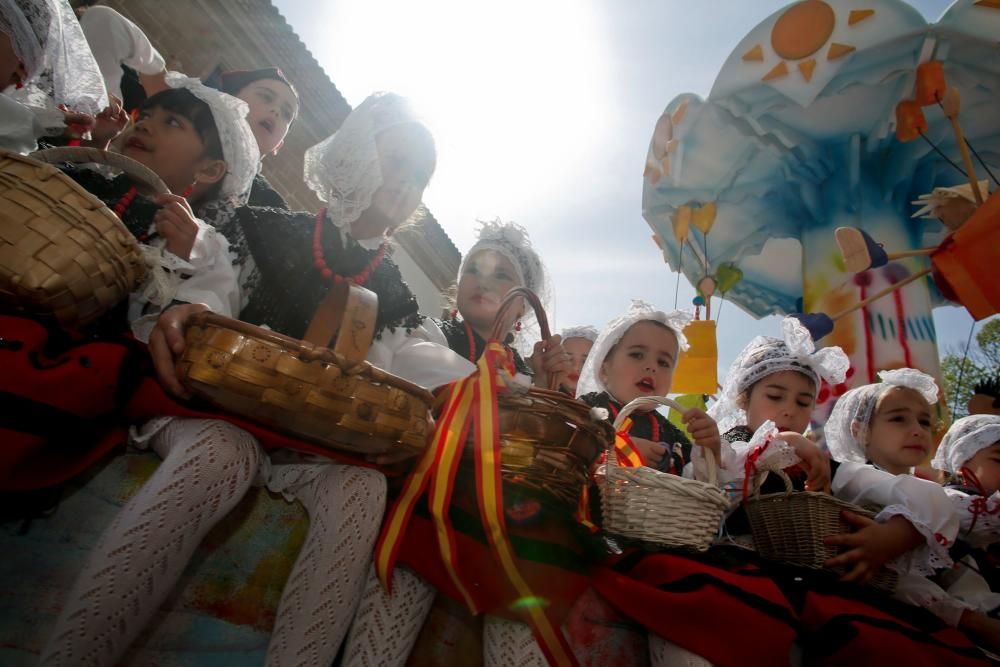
697	369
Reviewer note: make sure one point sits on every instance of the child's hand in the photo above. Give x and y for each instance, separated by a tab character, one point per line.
166	344
175	222
77	124
549	357
814	460
872	545
652	452
109	125
703	430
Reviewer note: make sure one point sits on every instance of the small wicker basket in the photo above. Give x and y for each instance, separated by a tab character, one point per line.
332	397
790	527
548	440
63	254
658	507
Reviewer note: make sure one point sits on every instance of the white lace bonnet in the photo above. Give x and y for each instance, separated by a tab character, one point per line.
239	147
511	240
344	169
584	331
964	439
639	311
858	406
49	42
764	356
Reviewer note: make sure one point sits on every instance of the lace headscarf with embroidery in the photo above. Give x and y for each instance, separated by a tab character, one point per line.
639	311
49	42
854	411
585	332
344	169
764	356
511	241
966	437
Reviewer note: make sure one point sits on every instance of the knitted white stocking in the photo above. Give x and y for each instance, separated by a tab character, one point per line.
207	468
510	644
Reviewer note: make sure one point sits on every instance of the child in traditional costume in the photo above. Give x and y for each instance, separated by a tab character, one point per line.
209	465
45	62
578	341
274	106
885	429
636	355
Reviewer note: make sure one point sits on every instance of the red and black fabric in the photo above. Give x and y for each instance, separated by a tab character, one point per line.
761	609
553	552
60	401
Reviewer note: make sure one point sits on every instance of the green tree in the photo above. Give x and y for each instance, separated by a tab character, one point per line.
981	365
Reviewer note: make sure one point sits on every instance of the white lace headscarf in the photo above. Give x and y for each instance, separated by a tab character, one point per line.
511	240
344	169
585	332
239	147
639	311
49	42
966	437
766	355
858	407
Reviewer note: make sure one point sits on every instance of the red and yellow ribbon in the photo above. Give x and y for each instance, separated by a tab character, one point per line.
471	402
626	451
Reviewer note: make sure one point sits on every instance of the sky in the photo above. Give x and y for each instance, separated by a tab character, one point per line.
542	111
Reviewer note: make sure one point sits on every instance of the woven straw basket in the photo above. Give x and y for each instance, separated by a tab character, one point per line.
548	441
332	397
63	254
658	507
790	527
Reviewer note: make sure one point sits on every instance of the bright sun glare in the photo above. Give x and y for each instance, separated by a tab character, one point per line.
514	92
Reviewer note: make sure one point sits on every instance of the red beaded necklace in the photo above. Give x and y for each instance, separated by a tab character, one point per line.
122	205
359	278
654	425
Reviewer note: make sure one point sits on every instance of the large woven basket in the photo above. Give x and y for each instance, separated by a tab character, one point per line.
63	254
658	507
548	440
789	527
331	397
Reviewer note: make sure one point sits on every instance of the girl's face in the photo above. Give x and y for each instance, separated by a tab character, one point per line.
168	143
273	107
899	437
487	279
407	158
985	465
12	72
642	363
787	398
577	349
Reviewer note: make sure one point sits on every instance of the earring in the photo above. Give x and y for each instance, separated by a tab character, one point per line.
517	327
188	190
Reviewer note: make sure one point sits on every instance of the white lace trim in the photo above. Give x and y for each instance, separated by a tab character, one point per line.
48	40
925	559
978	517
675	320
585	332
964	439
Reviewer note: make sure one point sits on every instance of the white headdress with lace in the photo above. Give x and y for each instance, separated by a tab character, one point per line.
239	147
966	437
344	169
585	331
858	407
511	240
49	42
639	311
764	356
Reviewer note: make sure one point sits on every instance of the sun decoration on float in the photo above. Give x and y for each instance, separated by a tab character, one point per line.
801	32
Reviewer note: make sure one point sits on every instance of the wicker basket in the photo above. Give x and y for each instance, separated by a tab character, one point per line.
548	440
63	254
790	527
332	397
658	507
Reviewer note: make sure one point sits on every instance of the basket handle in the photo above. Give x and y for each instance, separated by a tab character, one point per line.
348	311
83	155
653	402
759	482
503	318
